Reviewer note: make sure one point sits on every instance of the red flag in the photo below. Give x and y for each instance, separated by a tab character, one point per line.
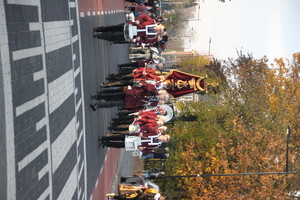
181	83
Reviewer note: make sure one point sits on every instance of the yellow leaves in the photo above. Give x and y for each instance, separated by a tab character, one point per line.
273	103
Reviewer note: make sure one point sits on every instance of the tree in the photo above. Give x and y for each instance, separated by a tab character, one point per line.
241	129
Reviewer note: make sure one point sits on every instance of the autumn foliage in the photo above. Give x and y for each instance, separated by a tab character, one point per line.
241	129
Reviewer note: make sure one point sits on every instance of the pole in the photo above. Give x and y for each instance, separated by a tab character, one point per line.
209	46
288	132
199	12
217	175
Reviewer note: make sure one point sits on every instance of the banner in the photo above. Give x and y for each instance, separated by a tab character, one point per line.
181	83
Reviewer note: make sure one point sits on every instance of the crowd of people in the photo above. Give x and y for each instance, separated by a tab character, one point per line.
138	90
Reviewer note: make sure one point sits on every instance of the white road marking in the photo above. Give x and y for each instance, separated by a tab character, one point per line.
43	171
30	104
60	89
76	72
74	38
62	144
78	105
9	123
70	186
44	194
83	110
24	2
39	75
58	36
31	156
40	124
26	53
35	26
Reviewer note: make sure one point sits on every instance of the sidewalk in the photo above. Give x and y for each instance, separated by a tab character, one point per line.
126	166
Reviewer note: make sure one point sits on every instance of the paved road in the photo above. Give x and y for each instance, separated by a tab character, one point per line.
50	65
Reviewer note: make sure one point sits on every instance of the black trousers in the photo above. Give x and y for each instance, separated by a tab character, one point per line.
125	112
109	104
115	37
113	138
131	64
124	119
115	141
114	28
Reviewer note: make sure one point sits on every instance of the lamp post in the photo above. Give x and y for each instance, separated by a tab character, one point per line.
288	136
209	46
236	174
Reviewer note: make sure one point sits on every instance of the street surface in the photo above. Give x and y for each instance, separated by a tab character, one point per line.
50	66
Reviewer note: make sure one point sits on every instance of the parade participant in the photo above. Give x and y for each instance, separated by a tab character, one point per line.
158	111
141	122
150	115
157	129
141	73
116	33
152	173
161	153
141	194
135	97
150	62
151	139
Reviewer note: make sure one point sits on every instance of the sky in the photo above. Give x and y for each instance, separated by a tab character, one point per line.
260	27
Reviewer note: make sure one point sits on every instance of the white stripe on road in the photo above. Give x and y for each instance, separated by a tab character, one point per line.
77	125
33	26
44	194
76	91
30	104
9	119
80	171
76	72
70	186
56	24
26	53
57	34
39	75
60	89
24	2
42	74
78	105
74	38
79	138
83	111
43	171
62	144
31	156
40	124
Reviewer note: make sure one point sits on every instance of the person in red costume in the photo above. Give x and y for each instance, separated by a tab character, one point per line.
152	121
134	98
141	73
151	139
115	33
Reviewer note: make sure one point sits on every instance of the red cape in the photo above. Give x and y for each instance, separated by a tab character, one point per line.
182	83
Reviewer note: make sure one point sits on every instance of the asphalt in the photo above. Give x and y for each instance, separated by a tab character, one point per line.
49	66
